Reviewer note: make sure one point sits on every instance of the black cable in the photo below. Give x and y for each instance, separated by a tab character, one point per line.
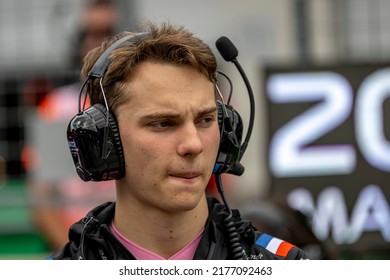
80	95
230	85
233	236
251	104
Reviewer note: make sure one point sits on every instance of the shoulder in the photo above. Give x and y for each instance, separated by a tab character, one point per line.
89	230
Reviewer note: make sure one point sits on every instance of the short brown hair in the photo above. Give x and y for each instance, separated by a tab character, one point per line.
166	43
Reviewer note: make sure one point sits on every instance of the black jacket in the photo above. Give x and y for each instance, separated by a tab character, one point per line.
91	238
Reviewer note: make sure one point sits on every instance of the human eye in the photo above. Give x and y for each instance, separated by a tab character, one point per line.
206	121
161	124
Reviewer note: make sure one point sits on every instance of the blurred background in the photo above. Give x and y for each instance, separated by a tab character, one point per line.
317	165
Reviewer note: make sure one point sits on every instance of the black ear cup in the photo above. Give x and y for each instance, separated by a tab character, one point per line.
96	148
231	128
93	137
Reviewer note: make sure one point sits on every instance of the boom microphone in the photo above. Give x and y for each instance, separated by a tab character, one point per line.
226	48
229	52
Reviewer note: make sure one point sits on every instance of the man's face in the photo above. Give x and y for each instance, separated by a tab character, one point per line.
170	136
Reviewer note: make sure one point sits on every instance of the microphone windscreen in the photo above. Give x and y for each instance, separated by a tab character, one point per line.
226	48
238	169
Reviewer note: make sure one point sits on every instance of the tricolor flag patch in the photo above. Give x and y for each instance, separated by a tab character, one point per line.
274	245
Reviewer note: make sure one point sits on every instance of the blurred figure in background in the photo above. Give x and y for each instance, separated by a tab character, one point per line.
98	21
59	196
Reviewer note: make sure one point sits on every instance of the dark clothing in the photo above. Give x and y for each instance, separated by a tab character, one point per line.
91	238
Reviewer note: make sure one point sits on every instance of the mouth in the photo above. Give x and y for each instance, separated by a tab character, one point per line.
186	176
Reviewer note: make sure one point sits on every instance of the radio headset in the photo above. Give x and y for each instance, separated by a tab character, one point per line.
229	53
94	138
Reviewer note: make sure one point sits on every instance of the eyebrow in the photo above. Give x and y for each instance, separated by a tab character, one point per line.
176	116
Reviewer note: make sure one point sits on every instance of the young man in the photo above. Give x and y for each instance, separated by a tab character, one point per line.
161	87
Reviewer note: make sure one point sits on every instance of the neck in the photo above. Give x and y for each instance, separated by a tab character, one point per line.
164	233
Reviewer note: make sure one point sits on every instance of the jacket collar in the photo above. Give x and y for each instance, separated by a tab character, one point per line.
94	228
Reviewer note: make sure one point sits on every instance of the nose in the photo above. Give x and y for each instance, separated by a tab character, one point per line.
190	141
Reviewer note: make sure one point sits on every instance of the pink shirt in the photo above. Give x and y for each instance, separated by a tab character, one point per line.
187	253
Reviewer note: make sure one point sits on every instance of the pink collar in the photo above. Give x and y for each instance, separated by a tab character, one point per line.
187	253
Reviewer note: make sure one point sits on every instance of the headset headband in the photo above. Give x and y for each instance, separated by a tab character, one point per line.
100	66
